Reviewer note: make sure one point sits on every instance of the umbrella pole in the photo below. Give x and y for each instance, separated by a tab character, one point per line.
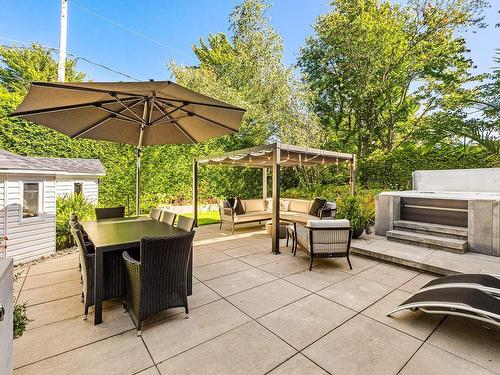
138	182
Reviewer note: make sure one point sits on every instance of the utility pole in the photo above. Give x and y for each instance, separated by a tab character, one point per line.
61	71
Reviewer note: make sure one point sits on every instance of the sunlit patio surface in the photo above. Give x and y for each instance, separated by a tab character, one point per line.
252	312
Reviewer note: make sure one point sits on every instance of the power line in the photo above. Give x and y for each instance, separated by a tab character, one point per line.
130	30
76	57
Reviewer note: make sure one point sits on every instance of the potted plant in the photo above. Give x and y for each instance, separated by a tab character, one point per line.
358	211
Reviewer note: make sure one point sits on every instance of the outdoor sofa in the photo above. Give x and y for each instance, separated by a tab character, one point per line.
257	210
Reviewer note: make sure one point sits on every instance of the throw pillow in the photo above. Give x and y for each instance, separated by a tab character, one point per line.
238	207
317	206
231	202
284	205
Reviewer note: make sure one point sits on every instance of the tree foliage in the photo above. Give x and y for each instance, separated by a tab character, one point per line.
377	70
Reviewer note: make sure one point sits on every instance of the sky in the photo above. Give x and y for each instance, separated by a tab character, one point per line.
138	38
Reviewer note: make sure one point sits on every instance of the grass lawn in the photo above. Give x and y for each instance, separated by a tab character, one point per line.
207	217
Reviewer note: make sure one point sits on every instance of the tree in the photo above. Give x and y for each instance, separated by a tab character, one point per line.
377	70
247	70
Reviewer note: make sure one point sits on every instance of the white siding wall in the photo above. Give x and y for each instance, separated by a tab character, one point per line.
2	212
90	187
30	238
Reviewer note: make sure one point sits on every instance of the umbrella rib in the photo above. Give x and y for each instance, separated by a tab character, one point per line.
130	110
179	126
166	114
120	115
66	107
99	123
203	118
222	106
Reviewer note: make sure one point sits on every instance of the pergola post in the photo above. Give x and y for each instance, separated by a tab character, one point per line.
195	192
275	233
264	183
352	178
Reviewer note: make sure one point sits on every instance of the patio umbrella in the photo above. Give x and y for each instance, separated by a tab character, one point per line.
136	113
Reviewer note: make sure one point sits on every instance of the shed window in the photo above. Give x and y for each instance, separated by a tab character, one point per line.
31	199
78	188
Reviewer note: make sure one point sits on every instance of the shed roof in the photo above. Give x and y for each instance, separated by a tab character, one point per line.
10	162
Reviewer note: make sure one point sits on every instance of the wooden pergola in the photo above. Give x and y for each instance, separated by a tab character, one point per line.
275	156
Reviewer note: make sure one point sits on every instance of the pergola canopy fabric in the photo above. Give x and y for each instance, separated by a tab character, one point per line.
290	155
117	111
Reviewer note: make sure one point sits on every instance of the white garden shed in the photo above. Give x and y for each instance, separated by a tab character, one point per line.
28	190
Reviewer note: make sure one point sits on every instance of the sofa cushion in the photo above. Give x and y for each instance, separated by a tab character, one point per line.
298	217
317	205
299	205
253	216
238	207
254	205
284	204
231	202
335	223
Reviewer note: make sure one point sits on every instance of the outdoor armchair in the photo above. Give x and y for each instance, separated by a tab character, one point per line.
109	212
167	217
185	223
158	281
113	272
155	213
324	239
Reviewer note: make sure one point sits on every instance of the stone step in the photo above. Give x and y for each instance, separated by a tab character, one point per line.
426	240
440	230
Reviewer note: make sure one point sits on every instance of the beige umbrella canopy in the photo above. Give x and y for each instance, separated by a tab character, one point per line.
136	113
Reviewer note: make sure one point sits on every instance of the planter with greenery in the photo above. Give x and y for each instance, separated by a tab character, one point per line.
359	210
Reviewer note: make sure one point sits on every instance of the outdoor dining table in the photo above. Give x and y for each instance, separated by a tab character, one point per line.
120	234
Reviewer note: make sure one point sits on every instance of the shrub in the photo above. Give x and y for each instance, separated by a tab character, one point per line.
20	316
359	210
65	206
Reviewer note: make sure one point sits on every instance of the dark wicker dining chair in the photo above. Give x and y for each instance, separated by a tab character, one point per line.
167	217
159	280
110	212
155	213
113	272
185	223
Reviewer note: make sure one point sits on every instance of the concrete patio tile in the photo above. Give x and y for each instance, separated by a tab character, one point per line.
286	265
470	340
47	341
55	311
240	281
66	262
202	295
430	360
359	264
52	278
250	349
416	283
259	259
417	324
355	292
268	297
209	258
212	271
363	346
228	244
247	249
150	371
203	249
121	354
298	365
388	274
318	278
306	320
177	334
51	293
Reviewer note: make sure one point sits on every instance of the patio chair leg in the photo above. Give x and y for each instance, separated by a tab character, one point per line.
125	306
220	226
232	228
187	311
81	299
349	261
311	264
85	312
139	329
287	236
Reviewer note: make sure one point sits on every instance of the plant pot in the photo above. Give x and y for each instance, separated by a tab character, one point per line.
357	232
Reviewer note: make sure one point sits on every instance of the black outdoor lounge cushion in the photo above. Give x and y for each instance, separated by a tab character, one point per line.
466	302
238	207
487	283
317	205
109	212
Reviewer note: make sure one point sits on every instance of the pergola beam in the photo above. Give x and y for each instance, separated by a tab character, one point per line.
275	232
